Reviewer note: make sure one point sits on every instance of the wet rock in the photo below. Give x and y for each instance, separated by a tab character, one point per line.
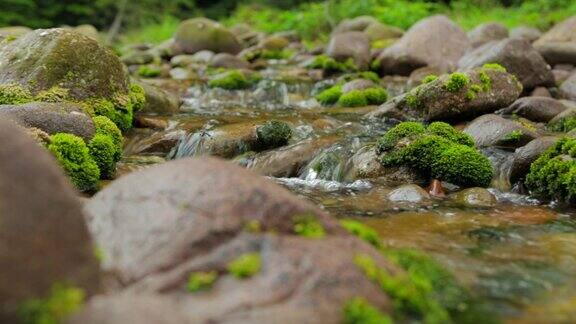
350	45
558	45
229	61
493	130
159	101
475	198
529	34
197	34
378	31
517	56
478	91
36	61
568	88
487	32
408	193
51	118
434	41
537	109
43	238
358	84
524	156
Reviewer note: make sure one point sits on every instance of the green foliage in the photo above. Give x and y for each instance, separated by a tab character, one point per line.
429	78
376	96
74	157
149	71
62	302
54	94
104	151
273	133
359	311
329	96
230	80
354	98
448	132
12	94
363	231
245	266
105	126
563	125
308	226
201	280
118	111
463	165
398	132
456	81
137	97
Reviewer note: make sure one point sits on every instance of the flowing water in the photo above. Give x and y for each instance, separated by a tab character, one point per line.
519	256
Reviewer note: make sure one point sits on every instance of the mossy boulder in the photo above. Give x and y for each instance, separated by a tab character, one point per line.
455	96
273	134
197	34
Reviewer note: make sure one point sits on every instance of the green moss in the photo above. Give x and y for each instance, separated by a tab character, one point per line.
74	157
329	96
413	100
375	96
456	82
282	54
473	91
362	231
308	226
402	130
359	311
113	110
62	302
245	266
485	80
429	78
563	125
463	165
494	66
11	94
230	80
137	97
148	71
273	133
448	132
54	94
329	64
103	151
513	136
105	126
354	98
369	75
376	65
201	280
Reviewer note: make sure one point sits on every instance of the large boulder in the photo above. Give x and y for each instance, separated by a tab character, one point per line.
487	32
568	88
493	130
47	58
435	41
350	45
558	45
454	96
517	56
197	34
200	215
43	238
537	109
52	118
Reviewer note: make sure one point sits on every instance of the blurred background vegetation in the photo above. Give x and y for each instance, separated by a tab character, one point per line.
155	20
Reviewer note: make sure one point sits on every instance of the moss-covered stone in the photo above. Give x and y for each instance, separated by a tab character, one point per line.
12	94
330	65
54	94
429	78
402	130
149	71
245	266
463	165
74	157
375	96
494	66
308	226
197	34
104	152
137	97
329	96
62	302
448	132
354	98
359	311
273	133
563	124
230	80
201	280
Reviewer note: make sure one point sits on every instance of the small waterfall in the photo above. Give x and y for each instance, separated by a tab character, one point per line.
330	164
191	145
502	164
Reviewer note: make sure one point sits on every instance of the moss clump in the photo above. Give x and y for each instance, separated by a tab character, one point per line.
329	96
329	64
54	94
74	157
201	280
563	125
308	226
513	136
494	66
245	266
359	311
485	80
230	80
376	96
448	132
553	174
62	302
402	130
11	94
473	91
147	71
456	82
429	78
137	97
105	126
354	98
103	151
412	100
362	231
273	133
121	115
463	165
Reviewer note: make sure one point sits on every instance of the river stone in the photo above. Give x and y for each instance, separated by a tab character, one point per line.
431	101
410	193
43	236
493	130
542	91
355	24
354	45
229	61
51	117
527	33
46	58
434	41
158	101
138	58
475	198
197	34
14	31
487	32
524	156
378	31
568	88
517	56
537	109
358	84
558	45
